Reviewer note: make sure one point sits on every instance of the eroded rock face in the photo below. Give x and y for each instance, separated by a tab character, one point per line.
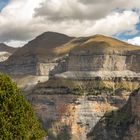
133	132
122	124
20	66
77	105
76	114
106	62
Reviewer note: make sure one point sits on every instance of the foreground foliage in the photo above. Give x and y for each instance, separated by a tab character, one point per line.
17	120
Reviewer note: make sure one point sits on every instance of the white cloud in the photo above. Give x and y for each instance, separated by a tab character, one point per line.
82	9
16	43
115	23
16	18
134	41
23	20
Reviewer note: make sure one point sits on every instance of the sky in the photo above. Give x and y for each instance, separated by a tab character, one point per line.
23	20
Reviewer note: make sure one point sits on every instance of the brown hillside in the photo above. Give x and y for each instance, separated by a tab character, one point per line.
43	44
96	44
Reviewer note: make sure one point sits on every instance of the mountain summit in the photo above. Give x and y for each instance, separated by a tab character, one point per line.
43	44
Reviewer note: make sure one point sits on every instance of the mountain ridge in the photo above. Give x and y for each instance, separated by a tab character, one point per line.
46	51
6	48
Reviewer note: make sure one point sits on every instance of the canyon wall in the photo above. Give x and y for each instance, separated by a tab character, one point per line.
73	62
122	124
69	109
20	65
106	62
69	116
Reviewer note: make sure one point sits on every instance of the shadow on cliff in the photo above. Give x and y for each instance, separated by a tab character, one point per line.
57	131
115	125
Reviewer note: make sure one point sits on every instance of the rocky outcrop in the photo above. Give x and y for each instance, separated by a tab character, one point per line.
4	56
122	124
87	61
76	104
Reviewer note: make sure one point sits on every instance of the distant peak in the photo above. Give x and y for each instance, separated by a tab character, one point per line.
51	34
3	44
100	35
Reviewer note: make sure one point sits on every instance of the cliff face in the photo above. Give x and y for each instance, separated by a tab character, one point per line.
122	124
76	105
69	116
107	62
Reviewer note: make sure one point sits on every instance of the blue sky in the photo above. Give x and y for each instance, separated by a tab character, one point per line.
3	3
22	20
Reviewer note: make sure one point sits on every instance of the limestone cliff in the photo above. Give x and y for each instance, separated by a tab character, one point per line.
122	124
69	116
69	108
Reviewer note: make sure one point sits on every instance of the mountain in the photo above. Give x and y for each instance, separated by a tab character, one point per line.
73	82
26	59
50	49
6	51
43	44
96	44
100	52
6	48
95	75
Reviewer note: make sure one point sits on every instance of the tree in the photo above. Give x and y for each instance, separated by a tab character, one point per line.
17	120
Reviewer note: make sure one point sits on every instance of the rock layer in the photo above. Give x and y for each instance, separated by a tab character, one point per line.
77	114
122	124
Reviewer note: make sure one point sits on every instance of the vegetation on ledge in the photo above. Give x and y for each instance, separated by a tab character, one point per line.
86	87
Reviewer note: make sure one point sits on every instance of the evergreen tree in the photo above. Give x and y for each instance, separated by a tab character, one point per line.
17	120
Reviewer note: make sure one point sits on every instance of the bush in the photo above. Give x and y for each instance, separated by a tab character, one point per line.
17	120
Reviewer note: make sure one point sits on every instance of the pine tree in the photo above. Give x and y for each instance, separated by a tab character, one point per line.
17	120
